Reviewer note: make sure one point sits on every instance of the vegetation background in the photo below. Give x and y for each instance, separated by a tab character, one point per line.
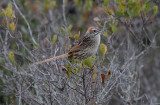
125	70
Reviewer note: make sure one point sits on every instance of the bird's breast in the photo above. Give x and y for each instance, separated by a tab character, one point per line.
96	43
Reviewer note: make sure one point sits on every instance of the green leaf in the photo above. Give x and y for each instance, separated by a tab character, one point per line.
131	5
93	58
57	29
110	12
12	57
155	9
103	49
114	29
136	11
63	31
129	13
46	5
106	3
68	67
53	4
36	45
126	14
70	59
69	28
54	39
88	62
74	70
105	33
12	26
80	64
118	13
2	12
122	2
76	36
121	8
94	75
70	34
9	12
147	7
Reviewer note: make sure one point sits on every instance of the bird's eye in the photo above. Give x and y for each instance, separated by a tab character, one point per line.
94	30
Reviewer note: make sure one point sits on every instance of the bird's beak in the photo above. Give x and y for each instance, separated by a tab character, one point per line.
101	31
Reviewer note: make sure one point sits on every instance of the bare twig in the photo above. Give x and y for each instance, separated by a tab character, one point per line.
64	15
29	28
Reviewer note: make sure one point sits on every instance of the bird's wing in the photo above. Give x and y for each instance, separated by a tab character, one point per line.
75	48
81	44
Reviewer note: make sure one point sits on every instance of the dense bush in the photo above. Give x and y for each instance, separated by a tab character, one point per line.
125	69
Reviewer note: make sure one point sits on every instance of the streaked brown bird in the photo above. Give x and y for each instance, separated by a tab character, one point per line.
87	46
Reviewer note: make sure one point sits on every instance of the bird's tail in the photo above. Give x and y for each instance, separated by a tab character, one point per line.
54	58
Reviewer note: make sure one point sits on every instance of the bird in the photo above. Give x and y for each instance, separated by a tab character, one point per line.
85	47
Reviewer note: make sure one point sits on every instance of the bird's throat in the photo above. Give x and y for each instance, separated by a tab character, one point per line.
96	44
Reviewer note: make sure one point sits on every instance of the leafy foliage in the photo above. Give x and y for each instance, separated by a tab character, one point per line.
54	39
12	57
9	12
117	74
103	50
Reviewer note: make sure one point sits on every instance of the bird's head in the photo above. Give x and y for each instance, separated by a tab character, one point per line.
93	31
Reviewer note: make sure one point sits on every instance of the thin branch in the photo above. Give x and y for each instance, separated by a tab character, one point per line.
64	15
29	28
132	33
75	90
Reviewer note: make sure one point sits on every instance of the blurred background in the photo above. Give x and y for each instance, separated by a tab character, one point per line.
125	70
